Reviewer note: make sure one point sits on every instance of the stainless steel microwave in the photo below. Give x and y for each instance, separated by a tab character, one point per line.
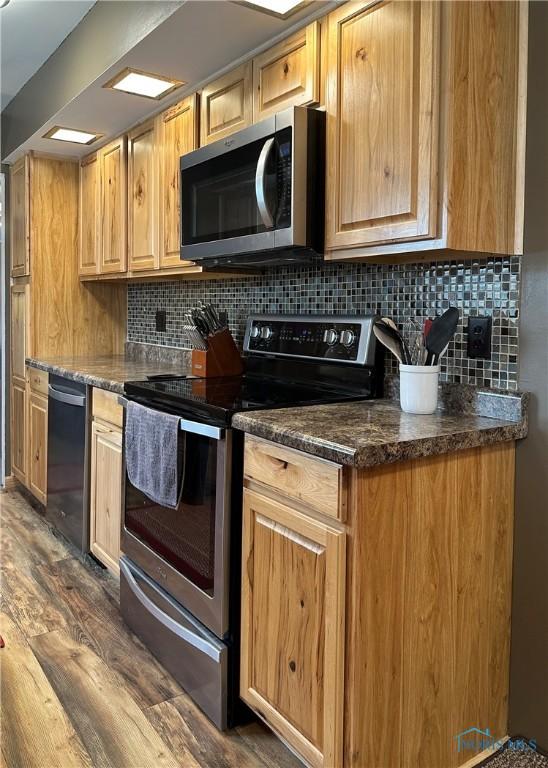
257	197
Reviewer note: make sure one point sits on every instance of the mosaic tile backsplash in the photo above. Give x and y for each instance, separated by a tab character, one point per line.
489	286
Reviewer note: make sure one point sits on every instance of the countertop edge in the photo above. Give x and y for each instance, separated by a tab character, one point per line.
83	378
390	452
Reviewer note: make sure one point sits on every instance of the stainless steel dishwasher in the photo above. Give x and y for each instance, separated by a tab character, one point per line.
67	504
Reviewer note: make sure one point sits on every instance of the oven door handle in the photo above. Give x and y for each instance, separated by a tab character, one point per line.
196	427
260	179
200	643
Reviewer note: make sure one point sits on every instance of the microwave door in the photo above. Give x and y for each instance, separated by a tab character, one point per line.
229	201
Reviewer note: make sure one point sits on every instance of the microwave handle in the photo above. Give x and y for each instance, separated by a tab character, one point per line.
260	193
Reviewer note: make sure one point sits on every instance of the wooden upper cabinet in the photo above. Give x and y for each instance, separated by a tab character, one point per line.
288	74
382	122
227	104
143	197
114	207
293	581
89	216
486	126
178	134
20	217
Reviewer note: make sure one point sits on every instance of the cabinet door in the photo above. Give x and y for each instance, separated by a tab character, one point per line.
38	445
178	130
382	123
106	494
293	581
227	105
143	197
18	429
288	74
19	329
19	217
90	216
114	207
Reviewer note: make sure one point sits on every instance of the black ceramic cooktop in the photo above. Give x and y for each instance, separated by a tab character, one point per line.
221	397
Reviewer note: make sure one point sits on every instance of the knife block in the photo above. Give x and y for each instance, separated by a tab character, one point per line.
221	358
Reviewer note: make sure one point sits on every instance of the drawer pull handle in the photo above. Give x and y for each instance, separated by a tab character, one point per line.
283	464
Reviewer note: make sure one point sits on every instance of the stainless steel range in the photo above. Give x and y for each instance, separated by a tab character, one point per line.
180	572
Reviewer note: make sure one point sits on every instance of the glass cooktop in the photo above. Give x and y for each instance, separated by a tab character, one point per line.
221	397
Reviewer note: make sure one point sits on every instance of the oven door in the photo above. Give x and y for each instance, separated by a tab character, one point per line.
186	550
236	194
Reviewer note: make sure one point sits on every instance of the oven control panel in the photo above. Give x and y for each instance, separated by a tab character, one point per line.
344	339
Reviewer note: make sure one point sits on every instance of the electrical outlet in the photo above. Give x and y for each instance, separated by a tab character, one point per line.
479	337
161	320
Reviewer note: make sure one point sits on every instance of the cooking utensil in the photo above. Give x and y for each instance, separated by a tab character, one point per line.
440	334
209	316
215	317
412	333
392	340
390	322
200	322
194	335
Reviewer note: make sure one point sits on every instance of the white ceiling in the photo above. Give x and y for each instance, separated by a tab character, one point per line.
200	39
30	31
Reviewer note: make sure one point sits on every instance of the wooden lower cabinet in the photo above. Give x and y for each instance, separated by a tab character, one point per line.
293	626
37	445
375	643
106	479
18	429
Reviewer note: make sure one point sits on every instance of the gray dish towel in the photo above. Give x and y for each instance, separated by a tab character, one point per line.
153	458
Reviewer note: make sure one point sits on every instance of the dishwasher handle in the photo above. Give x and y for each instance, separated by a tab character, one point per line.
66	397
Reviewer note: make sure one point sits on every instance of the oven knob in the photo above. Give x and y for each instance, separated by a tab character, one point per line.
255	332
330	336
347	338
266	332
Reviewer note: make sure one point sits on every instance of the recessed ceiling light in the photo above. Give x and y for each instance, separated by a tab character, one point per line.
72	134
280	8
143	83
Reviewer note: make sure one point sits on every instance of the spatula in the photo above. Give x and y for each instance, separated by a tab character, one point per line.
440	334
392	339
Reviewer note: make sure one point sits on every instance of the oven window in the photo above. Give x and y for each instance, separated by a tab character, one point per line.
219	198
183	537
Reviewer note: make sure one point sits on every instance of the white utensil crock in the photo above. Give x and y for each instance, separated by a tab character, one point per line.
419	388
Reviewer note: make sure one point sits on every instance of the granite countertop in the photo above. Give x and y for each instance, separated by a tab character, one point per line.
364	434
111	371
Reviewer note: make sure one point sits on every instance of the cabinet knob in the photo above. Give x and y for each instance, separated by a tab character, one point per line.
292	665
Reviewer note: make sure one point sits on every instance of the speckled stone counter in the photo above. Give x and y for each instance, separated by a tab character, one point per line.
111	371
365	434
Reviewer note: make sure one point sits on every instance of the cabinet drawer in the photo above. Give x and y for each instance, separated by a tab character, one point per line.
38	381
316	482
105	406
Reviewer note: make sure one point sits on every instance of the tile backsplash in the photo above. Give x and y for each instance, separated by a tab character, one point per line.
488	286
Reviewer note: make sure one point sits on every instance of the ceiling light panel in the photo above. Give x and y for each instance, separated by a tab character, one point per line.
143	84
280	8
74	135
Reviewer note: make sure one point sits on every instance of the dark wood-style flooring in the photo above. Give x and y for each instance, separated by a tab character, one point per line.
77	687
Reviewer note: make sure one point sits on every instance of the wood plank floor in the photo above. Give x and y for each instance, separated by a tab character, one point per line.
77	687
